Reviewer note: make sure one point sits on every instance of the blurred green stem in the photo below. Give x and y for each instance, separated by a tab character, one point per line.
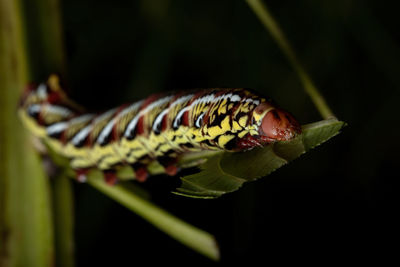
26	237
63	211
187	234
46	55
272	26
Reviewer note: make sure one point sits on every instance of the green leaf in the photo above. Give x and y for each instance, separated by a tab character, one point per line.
224	173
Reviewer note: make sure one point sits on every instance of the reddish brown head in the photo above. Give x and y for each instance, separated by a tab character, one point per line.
276	124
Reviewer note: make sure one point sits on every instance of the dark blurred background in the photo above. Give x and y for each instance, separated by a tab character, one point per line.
335	203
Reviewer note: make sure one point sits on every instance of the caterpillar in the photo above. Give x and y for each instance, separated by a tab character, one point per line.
161	127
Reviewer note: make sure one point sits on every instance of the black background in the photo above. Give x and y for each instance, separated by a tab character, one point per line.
337	203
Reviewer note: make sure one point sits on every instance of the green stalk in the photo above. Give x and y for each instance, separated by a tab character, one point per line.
185	233
63	211
272	26
26	237
46	55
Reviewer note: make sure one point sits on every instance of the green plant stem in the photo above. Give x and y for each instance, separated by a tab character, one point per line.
63	211
187	234
46	54
272	26
26	237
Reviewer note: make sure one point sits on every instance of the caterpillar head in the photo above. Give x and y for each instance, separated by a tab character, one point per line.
275	123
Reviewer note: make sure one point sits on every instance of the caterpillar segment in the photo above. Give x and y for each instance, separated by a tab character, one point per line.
159	128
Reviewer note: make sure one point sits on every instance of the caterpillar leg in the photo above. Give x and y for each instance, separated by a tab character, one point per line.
169	164
81	175
110	176
141	172
249	142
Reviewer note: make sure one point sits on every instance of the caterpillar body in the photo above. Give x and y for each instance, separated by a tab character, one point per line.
161	127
